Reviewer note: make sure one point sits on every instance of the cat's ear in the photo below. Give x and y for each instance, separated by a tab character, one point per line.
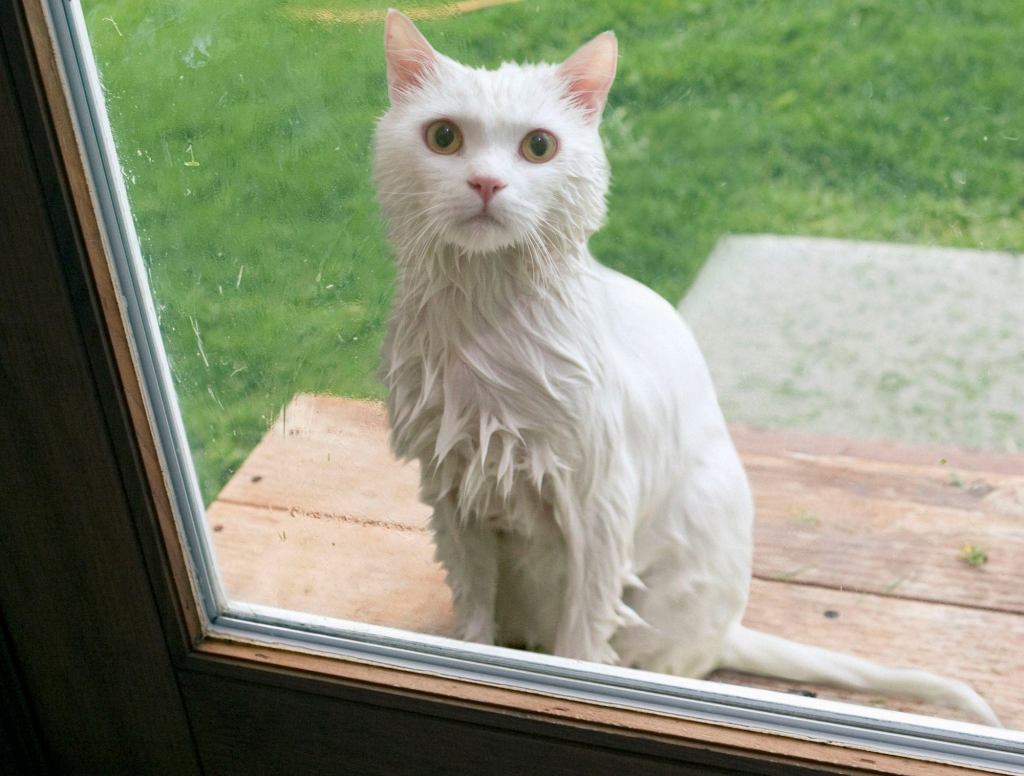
590	72
408	53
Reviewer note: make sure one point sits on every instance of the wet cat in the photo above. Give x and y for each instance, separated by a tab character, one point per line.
587	498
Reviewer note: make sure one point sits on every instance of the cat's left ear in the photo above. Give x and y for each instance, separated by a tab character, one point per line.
590	72
410	57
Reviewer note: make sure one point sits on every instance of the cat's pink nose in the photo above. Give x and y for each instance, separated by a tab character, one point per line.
485	187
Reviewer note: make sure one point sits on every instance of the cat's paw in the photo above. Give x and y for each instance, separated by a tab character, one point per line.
478	628
594	651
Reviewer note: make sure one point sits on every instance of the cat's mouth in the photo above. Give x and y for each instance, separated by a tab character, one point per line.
483	218
482	232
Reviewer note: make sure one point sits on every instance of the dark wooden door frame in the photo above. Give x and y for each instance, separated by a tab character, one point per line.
78	601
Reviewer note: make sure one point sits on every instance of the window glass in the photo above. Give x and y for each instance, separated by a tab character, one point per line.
830	192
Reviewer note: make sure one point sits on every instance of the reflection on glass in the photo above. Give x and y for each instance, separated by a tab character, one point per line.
244	134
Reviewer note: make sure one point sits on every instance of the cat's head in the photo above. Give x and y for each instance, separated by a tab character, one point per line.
483	160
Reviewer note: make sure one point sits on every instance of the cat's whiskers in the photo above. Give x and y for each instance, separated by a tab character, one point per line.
420	223
409	230
540	259
551	251
403	197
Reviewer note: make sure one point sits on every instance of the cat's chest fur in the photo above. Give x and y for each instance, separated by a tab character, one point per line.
488	393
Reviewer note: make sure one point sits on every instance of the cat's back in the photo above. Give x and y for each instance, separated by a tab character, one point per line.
649	334
657	375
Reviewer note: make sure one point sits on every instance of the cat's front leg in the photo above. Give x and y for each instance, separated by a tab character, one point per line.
598	552
468	551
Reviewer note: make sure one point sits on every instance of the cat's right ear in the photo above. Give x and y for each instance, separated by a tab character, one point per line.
408	53
590	72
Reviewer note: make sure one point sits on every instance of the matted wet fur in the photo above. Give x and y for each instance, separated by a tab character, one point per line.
587	498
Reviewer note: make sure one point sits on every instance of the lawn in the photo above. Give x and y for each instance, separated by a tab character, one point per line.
244	134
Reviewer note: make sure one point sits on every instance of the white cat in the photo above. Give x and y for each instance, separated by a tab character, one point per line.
587	498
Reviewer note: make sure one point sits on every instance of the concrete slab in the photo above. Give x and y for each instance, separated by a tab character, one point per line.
862	339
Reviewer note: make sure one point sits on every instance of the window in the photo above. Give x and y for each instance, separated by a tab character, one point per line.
688	698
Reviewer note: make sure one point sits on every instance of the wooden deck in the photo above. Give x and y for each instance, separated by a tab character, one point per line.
858	545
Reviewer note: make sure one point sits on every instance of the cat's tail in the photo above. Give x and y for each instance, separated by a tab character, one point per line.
761	653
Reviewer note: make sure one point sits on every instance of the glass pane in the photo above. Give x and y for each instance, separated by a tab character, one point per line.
830	193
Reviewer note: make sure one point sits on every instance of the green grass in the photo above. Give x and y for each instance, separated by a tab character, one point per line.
899	121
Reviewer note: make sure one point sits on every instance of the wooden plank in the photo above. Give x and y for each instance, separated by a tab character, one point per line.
858	538
386	576
925	485
892	527
776	441
328	456
977	646
368	572
838	531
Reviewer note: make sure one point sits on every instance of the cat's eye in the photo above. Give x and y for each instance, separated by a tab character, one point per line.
539	146
444	137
